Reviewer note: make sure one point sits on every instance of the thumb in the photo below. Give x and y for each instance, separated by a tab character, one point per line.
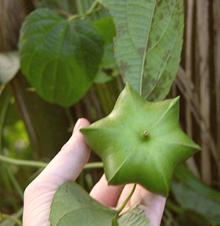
69	162
67	165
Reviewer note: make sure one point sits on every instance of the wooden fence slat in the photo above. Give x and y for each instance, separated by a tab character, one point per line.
188	56
203	42
188	72
216	20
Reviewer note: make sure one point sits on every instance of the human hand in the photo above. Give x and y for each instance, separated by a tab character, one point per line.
66	166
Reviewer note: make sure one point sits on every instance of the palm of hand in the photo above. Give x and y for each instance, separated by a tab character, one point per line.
66	166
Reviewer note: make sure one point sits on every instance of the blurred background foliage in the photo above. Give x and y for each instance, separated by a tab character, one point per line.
32	130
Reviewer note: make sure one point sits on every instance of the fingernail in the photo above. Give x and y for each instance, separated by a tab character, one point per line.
77	125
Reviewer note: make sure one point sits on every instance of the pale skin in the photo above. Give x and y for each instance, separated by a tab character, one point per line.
66	166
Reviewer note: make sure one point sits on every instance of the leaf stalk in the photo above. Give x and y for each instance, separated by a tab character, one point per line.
124	204
38	164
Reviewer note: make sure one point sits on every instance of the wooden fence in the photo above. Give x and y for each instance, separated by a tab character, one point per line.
198	83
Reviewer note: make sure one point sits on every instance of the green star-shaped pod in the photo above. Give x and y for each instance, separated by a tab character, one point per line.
141	142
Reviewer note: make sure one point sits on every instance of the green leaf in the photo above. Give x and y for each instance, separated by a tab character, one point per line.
73	206
141	141
134	217
59	57
108	68
9	66
195	196
106	29
102	77
148	43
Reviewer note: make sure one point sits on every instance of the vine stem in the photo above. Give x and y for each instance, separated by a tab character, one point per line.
14	182
89	12
73	17
38	164
10	217
19	162
124	204
79	7
64	13
93	7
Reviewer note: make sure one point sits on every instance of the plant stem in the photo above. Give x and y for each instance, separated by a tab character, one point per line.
79	7
89	12
93	7
19	162
93	165
15	183
73	17
1	88
64	13
126	200
10	217
5	98
38	164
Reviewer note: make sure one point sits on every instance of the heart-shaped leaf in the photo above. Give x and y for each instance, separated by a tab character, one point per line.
141	142
73	206
59	57
148	42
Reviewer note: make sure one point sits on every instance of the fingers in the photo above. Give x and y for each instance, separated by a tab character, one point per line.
69	162
135	198
67	165
152	204
105	194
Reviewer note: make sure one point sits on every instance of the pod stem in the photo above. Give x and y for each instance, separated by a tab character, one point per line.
124	204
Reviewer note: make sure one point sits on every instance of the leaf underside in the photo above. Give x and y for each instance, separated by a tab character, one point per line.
73	206
134	217
148	43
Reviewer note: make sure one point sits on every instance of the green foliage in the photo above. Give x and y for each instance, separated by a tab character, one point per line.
16	142
141	142
148	43
108	69
106	29
72	204
59	54
195	196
